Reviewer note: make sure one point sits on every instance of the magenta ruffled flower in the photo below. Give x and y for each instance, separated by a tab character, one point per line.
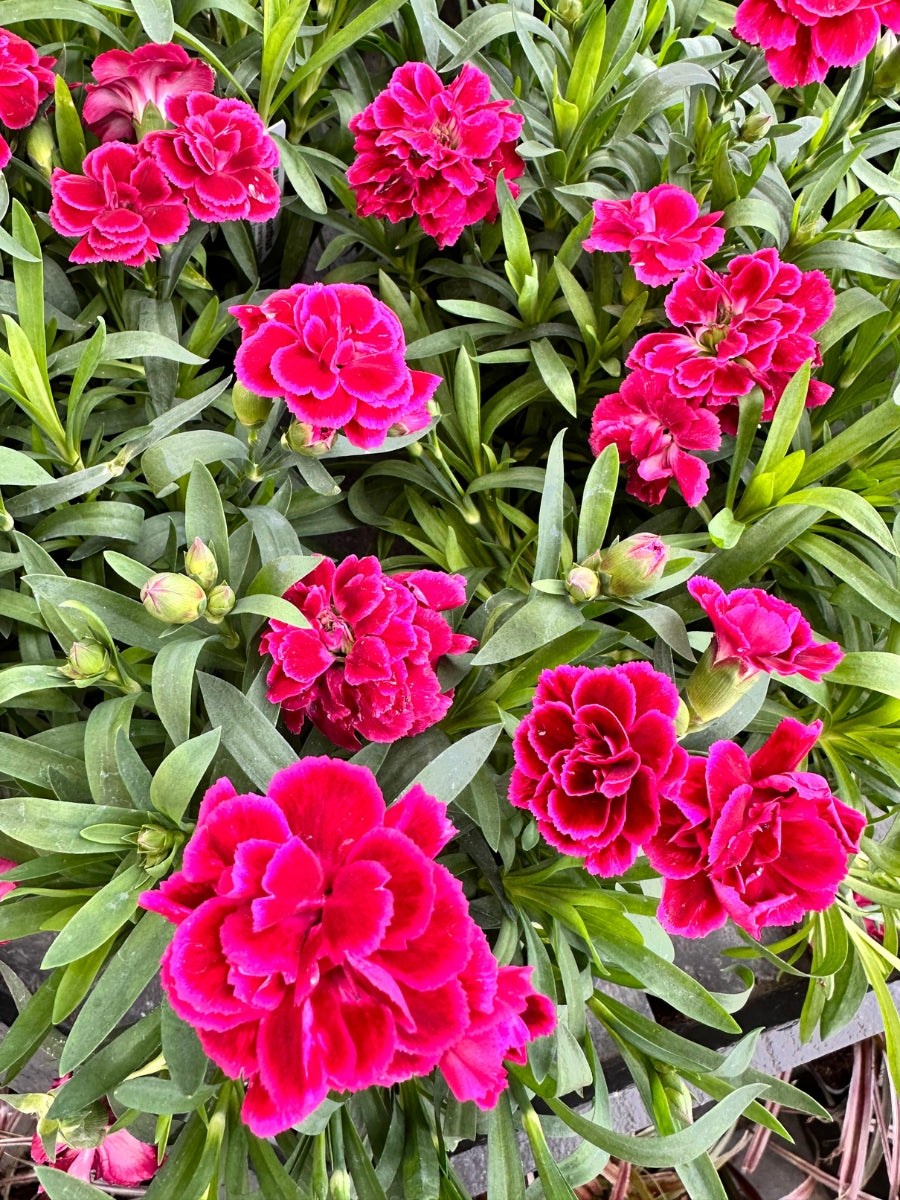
122	207
434	151
752	838
320	947
219	156
757	632
128	82
654	430
336	355
26	79
367	663
752	325
593	758
661	230
802	39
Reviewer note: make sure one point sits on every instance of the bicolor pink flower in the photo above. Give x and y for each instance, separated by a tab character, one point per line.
320	947
367	664
751	326
128	81
434	151
755	631
593	758
336	355
654	430
753	838
120	1160
802	39
26	79
122	207
219	156
661	230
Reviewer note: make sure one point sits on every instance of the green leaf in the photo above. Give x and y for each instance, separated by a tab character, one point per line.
29	278
73	11
850	507
161	1096
663	87
105	1071
60	1185
359	1162
185	1057
785	422
55	825
157	19
69	133
125	346
18	470
874	670
204	516
275	1183
273	607
276	577
94	518
102	916
172	684
257	748
127	620
550	516
505	1176
103	725
28	677
541	619
179	774
30	762
300	174
851	308
29	1029
597	501
448	774
171	459
555	374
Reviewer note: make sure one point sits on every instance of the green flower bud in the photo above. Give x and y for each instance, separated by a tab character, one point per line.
634	564
310	440
249	408
887	65
151	120
582	584
173	598
41	147
155	844
200	564
712	690
221	602
569	11
755	126
86	662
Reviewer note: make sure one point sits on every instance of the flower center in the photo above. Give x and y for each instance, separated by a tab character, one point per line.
446	132
712	335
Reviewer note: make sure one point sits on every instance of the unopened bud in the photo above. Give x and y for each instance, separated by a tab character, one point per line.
569	11
887	65
249	408
86	662
221	602
311	440
41	147
173	598
155	844
582	584
200	564
755	126
634	564
712	690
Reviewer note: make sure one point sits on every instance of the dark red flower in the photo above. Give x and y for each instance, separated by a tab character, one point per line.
128	81
593	758
434	151
752	838
653	430
26	79
366	666
122	207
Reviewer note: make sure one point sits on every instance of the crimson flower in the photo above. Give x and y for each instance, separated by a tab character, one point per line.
128	81
319	946
122	208
654	430
752	838
593	758
336	355
26	79
661	230
366	666
434	151
120	1160
752	325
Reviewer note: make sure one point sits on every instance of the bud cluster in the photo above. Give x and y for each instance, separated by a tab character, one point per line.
624	570
181	599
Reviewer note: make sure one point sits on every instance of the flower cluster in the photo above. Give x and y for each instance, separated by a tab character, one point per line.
366	664
26	80
215	161
319	946
336	355
434	151
750	327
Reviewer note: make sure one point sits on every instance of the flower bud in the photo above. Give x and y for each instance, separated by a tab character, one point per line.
41	147
173	598
582	584
151	120
200	564
634	564
712	690
755	126
221	602
887	65
249	408
155	844
86	662
311	440
569	11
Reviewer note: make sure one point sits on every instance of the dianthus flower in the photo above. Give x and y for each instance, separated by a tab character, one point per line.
219	156
367	663
593	758
752	325
336	355
122	207
26	79
128	81
654	430
752	838
661	230
434	151
319	946
754	631
803	38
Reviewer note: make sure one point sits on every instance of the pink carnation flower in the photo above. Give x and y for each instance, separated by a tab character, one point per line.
434	151
120	1160
752	325
661	230
367	663
26	79
752	838
803	38
219	156
758	632
122	208
320	947
336	355
654	430
593	758
128	82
